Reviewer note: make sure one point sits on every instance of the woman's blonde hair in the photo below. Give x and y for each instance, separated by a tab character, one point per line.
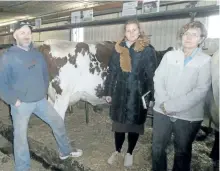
135	21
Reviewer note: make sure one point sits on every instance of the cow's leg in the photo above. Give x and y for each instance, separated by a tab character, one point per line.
73	101
97	109
61	105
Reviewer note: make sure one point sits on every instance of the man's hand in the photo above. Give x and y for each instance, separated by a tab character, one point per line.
151	104
18	103
163	108
108	99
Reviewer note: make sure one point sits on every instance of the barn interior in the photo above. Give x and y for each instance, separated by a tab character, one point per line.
96	21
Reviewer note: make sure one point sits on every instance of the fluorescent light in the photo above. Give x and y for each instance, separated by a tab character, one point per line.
16	19
23	17
9	22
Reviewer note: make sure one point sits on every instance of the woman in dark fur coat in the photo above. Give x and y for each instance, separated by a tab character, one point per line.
130	75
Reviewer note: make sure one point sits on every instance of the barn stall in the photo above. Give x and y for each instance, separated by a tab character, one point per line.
92	132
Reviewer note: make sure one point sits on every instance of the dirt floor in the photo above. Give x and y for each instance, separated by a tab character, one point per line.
96	140
7	164
7	160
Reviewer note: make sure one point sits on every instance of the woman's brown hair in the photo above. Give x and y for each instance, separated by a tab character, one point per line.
193	25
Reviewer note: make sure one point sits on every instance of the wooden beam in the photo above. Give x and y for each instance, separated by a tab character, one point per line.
108	6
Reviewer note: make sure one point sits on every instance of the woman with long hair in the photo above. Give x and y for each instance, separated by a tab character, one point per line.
130	75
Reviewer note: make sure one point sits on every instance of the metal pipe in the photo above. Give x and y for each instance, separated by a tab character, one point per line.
66	17
166	15
65	14
56	20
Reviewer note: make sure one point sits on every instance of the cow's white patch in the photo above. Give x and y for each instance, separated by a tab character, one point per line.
77	83
61	48
92	49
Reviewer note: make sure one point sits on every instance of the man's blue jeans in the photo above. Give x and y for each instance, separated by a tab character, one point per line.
21	115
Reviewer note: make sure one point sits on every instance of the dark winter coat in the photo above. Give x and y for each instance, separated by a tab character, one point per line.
126	88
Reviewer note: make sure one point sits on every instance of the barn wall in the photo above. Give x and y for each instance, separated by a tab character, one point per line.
40	37
60	34
163	33
6	39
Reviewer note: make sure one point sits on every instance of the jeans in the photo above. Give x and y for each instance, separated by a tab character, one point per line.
184	135
20	117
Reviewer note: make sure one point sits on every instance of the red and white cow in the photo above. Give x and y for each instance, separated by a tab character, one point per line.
77	71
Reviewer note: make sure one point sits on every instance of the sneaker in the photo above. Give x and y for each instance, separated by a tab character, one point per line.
113	158
128	161
76	153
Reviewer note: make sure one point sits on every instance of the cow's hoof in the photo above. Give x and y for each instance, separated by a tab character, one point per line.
201	135
97	109
215	165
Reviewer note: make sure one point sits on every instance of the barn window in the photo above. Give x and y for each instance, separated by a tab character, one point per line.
214	26
77	35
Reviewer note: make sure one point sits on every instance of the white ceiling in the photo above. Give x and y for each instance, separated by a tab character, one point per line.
21	10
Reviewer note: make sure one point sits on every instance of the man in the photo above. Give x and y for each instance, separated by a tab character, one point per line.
24	83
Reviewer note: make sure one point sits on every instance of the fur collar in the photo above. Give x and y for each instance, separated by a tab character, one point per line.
125	59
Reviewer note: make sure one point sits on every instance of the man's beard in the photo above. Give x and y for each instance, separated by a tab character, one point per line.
25	45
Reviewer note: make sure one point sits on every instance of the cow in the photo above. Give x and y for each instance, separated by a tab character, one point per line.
211	108
212	99
77	71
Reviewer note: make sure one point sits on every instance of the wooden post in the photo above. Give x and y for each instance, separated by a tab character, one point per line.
87	112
